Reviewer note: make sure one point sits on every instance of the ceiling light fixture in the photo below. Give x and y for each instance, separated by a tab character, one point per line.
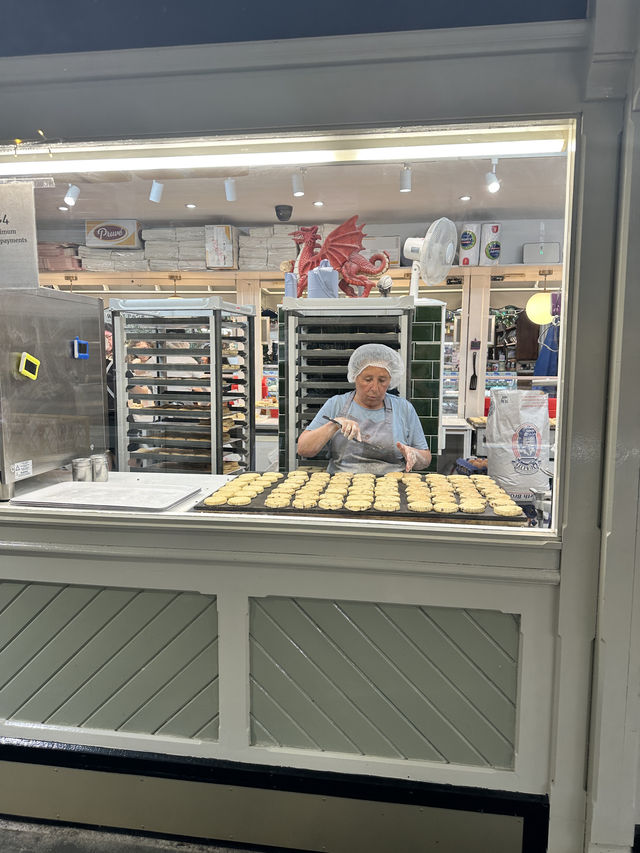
14	162
190	205
491	179
155	194
318	203
465	198
405	179
297	182
230	189
72	194
63	207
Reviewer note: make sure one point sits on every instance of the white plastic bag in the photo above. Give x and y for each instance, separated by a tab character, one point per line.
518	440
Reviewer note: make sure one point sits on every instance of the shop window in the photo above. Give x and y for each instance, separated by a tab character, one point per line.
225	337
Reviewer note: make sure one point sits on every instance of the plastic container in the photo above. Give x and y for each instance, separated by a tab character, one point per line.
553	401
487	403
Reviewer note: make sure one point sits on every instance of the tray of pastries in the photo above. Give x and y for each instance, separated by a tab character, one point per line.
405	495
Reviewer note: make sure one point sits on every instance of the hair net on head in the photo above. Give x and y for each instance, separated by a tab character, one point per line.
376	355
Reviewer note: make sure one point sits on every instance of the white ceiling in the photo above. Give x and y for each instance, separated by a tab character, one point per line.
532	188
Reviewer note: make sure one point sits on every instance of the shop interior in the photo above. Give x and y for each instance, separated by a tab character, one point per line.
397	182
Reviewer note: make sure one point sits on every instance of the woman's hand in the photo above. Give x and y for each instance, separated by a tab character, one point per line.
349	428
413	457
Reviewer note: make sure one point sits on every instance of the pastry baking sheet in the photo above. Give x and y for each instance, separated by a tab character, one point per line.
257	505
108	496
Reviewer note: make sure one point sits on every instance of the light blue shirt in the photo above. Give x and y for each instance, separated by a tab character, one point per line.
406	424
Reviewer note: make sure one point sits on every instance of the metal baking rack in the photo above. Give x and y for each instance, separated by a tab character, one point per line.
319	336
184	385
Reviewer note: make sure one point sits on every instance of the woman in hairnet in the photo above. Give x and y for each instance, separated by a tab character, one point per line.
373	431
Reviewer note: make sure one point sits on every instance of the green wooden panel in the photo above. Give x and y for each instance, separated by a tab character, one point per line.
142	660
180	689
168	660
390	680
122	668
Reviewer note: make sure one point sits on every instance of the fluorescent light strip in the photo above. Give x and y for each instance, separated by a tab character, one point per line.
513	148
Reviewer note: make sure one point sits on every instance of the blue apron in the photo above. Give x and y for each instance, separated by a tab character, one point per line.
353	456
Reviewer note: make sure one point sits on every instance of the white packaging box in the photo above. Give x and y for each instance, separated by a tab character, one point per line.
109	233
159	234
221	245
469	247
390	245
490	244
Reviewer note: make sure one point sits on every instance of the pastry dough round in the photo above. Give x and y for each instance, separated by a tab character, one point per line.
472	507
304	503
357	506
324	503
395	475
239	500
386	506
512	510
420	506
445	508
274	503
215	500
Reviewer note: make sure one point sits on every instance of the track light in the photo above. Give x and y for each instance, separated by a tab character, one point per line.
230	189
491	179
155	194
405	179
71	196
297	182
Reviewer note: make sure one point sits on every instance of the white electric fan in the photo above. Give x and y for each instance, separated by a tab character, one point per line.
432	255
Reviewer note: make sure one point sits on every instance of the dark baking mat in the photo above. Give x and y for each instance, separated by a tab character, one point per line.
258	505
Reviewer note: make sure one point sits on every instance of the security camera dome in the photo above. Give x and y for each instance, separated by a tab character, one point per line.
283	212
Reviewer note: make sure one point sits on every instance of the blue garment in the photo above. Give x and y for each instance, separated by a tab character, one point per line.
406	424
547	363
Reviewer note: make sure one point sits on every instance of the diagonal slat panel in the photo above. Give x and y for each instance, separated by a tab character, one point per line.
393	666
37	633
22	608
300	704
420	669
183	686
146	660
169	658
340	688
476	644
8	591
91	656
172	615
468	685
376	663
62	647
197	717
503	628
275	718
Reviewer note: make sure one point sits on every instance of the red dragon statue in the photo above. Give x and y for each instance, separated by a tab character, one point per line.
342	249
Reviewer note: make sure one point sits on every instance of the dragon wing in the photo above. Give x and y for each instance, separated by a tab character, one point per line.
342	242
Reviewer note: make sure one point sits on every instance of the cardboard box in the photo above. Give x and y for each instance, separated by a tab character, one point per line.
221	246
390	245
109	233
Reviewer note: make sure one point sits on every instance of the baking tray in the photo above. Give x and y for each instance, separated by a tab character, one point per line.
258	505
111	495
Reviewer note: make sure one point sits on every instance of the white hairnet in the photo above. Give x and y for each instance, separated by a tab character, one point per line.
376	355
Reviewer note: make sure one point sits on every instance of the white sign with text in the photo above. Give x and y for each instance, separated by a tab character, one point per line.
18	241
